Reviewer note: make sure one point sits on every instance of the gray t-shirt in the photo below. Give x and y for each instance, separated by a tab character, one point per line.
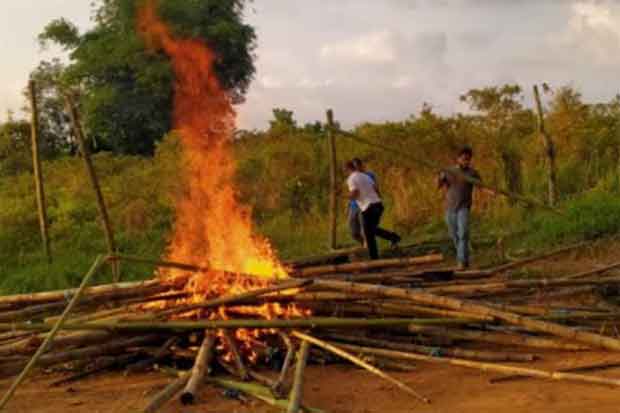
459	193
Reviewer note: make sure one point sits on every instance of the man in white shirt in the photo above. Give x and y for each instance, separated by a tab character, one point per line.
362	189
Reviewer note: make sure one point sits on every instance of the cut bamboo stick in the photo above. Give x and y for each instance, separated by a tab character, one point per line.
596	340
539	257
355	360
201	368
298	383
369	265
551	375
278	387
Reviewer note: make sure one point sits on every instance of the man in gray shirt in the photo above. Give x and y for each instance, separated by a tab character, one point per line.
458	202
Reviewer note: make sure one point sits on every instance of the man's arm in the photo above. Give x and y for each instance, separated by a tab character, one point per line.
442	180
354	194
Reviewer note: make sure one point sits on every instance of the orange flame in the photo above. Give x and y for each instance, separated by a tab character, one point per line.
212	229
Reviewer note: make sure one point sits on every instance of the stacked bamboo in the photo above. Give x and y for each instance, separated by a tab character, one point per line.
379	315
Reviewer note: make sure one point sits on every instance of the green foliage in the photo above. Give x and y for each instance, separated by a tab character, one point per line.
126	90
15	155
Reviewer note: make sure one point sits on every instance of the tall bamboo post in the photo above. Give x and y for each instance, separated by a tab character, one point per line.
38	175
103	212
549	150
333	185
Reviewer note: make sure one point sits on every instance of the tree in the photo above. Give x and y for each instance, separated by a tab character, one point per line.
14	146
283	123
126	90
506	122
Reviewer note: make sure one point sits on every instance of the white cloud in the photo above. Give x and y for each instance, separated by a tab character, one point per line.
374	47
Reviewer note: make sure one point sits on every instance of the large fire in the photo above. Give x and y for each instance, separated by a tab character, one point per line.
212	229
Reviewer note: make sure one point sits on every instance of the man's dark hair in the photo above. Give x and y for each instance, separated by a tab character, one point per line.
466	150
350	165
357	162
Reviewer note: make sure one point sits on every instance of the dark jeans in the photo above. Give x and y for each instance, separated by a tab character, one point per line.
371	218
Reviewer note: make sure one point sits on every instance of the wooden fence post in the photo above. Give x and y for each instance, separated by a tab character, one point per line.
38	175
549	150
90	170
333	185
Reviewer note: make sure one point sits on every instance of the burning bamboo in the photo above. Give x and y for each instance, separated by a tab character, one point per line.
236	355
201	368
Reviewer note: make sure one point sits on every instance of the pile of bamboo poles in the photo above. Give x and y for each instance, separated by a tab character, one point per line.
380	315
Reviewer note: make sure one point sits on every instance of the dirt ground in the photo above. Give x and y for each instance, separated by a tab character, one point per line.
343	389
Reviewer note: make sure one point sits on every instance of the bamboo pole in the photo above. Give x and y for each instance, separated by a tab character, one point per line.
90	170
161	352
578	369
596	340
359	362
538	257
50	337
103	291
549	150
551	375
481	355
38	174
531	202
590	273
498	338
89	352
200	370
312	322
508	284
333	185
369	265
298	383
167	393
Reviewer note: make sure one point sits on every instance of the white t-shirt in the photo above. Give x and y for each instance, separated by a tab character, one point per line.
366	187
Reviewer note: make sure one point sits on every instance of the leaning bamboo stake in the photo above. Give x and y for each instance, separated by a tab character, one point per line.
298	383
469	306
552	375
355	360
369	265
90	170
50	337
201	368
38	175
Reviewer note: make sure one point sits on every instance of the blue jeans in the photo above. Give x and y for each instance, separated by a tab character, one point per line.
458	227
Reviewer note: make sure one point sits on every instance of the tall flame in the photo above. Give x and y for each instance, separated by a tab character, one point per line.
212	229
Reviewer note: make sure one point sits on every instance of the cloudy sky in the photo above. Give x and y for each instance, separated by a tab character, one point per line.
379	60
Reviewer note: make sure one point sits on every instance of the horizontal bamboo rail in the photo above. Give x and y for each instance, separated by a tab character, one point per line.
368	265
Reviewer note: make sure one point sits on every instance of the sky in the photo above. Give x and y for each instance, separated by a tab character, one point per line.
378	60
